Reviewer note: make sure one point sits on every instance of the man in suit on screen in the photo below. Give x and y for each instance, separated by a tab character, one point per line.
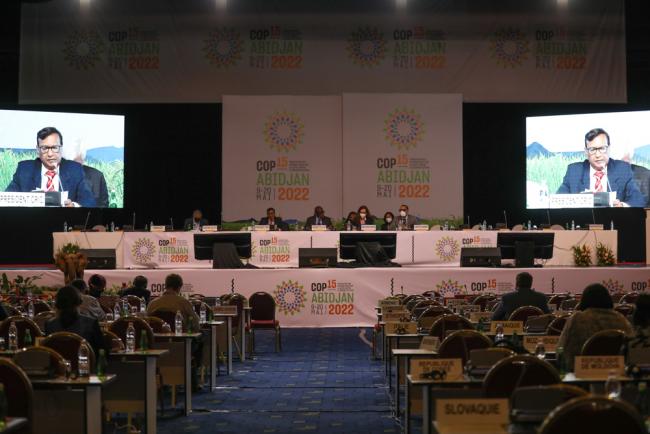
50	172
599	173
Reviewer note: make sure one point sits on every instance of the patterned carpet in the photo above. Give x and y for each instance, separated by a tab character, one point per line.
323	381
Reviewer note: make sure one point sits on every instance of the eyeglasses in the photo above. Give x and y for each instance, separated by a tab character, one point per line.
593	151
45	149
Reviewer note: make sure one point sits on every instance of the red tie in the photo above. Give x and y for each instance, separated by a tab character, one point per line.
50	180
599	176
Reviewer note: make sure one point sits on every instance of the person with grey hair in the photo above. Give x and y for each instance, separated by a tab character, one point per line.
94	178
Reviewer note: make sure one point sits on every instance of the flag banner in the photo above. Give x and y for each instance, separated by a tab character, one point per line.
403	148
102	52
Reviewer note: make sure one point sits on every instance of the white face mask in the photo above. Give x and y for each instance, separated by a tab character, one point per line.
389	219
362	215
402	213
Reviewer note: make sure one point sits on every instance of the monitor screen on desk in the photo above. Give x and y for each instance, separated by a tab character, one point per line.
574	161
80	155
526	246
204	243
348	242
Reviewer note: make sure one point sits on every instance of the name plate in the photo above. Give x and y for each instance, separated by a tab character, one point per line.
401	328
550	343
431	343
478	316
596	227
22	199
455	301
210	228
509	327
599	366
420	227
261	228
394	309
388	302
157	228
571	201
368	228
318	228
404	316
224	310
469	307
473	415
437	369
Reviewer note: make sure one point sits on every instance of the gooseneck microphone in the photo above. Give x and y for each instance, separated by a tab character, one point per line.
505	218
86	223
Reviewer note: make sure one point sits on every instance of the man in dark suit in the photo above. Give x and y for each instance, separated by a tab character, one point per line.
523	296
600	173
319	218
196	222
275	223
139	289
51	172
405	221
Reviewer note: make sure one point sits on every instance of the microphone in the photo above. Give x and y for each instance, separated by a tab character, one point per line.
133	221
171	222
593	216
548	216
468	221
505	218
86	223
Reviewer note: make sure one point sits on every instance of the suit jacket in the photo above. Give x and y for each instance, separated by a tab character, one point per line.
86	327
311	221
279	224
619	174
370	220
71	174
392	226
411	220
188	225
522	297
642	178
138	292
97	184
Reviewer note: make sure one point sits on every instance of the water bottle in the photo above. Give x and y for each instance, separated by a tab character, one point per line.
13	336
116	311
348	225
126	308
540	350
151	225
178	323
612	386
529	225
130	338
134	309
203	314
146	228
101	364
144	341
573	225
561	366
446	226
27	339
30	309
499	332
65	226
143	305
484	225
83	365
642	399
112	226
611	225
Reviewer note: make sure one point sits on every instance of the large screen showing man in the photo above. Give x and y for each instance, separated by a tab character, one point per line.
588	160
600	173
77	154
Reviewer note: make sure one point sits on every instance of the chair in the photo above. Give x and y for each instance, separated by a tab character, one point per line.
524	312
532	404
538	324
119	328
492	305
594	415
57	361
133	301
604	343
481	360
482	300
427	318
112	341
408	298
459	344
421	306
67	344
518	371
435	228
18	389
156	324
431	294
263	317
629	298
569	304
239	301
625	309
447	323
557	227
107	302
41	318
518	228
556	326
557	299
413	302
40	306
168	316
22	324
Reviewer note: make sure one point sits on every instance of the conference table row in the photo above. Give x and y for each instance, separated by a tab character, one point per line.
135	250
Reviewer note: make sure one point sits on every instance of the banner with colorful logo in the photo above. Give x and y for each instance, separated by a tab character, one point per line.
282	152
186	52
403	149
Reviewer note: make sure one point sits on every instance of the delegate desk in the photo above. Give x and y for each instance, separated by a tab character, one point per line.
226	319
280	249
210	328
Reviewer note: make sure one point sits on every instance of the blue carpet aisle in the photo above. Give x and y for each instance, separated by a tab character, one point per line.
323	381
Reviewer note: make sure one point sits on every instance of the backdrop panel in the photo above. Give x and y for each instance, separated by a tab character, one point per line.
403	148
281	151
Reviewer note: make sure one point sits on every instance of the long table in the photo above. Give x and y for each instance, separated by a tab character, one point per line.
280	249
343	297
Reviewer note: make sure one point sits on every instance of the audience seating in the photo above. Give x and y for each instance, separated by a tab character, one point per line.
57	361
168	316
119	328
18	390
263	317
524	312
427	318
460	343
518	371
41	318
625	309
67	344
538	324
557	299
156	324
22	324
112	341
447	323
629	298
556	326
483	300
604	343
534	403
481	360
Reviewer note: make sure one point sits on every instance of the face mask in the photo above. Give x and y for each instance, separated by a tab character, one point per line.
402	213
362	215
389	219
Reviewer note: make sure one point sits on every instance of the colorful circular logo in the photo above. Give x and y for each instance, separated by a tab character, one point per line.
284	131
403	128
366	47
449	287
83	49
447	248
290	297
509	46
223	47
613	286
143	250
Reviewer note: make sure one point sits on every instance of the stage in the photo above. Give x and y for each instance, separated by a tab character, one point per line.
344	297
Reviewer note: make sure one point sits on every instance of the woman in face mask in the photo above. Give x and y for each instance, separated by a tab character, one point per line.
389	222
364	217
